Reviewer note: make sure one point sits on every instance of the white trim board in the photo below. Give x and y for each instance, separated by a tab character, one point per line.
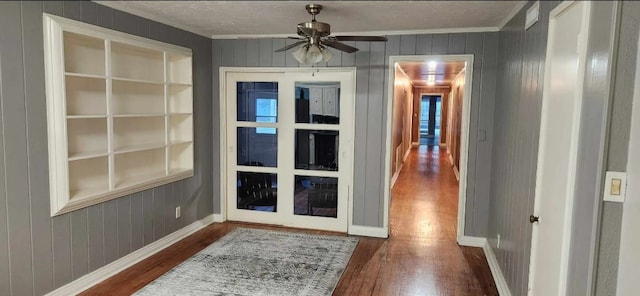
91	279
368	231
496	271
464	147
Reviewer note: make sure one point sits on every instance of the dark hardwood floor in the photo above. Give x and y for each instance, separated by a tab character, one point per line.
421	256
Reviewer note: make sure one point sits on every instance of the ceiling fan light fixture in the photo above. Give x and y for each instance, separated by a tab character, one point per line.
314	54
301	54
326	54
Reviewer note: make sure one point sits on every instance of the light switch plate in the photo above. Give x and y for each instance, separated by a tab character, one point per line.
615	186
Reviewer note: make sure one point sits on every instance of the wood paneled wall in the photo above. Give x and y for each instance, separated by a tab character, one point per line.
454	122
371	103
402	118
39	253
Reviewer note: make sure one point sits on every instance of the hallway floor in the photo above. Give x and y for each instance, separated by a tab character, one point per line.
421	256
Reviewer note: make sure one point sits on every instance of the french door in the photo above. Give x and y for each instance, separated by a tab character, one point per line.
289	149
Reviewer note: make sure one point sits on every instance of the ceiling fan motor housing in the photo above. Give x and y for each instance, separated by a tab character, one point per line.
321	29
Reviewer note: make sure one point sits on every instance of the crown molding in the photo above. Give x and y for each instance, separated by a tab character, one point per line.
371	33
512	13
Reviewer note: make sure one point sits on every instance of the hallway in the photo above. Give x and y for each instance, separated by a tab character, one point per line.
421	256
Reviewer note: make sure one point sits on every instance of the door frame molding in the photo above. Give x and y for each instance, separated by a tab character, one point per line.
464	148
223	127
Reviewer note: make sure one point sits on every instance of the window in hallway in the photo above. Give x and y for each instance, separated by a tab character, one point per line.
430	117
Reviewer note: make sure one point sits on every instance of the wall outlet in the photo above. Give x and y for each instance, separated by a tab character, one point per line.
498	243
177	212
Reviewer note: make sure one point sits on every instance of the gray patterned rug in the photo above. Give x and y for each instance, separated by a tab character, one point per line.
260	262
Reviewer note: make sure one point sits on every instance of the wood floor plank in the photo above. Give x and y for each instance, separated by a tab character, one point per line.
421	256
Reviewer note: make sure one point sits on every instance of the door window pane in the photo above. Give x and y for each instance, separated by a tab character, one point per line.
316	196
318	102
257	149
257	102
316	150
257	191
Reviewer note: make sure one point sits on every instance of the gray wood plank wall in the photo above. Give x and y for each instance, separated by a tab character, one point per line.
516	127
371	91
39	253
515	143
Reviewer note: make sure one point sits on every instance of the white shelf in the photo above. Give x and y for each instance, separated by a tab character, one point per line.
180	127
88	177
83	75
86	135
119	113
135	62
86	95
180	156
137	97
180	99
123	79
141	131
140	166
133	115
136	148
87	155
83	54
179	68
86	116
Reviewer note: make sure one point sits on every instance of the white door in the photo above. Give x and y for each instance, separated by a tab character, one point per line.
290	154
557	150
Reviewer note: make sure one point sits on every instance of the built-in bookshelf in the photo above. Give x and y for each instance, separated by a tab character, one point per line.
119	113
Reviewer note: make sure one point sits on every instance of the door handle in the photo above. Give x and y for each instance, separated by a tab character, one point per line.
534	219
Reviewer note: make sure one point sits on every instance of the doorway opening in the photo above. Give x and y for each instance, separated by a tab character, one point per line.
429	109
430	118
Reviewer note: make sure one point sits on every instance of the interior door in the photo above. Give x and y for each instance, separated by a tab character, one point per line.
289	148
559	133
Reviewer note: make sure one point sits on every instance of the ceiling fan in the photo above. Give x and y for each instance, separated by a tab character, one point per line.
314	38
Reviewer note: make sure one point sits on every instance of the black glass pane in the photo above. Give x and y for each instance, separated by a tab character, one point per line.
316	150
257	146
257	191
318	102
316	196
257	101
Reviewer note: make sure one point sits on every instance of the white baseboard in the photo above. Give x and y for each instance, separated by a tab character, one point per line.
443	145
496	271
415	144
406	155
472	241
395	176
450	158
368	231
456	172
89	280
218	218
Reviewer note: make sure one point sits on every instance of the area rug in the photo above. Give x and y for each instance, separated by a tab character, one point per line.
260	262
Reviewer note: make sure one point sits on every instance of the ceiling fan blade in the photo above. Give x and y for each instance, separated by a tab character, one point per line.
361	38
290	46
339	46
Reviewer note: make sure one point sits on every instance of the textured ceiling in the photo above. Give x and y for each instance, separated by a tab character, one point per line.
444	72
220	19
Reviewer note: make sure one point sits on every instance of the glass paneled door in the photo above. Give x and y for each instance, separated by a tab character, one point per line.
290	148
